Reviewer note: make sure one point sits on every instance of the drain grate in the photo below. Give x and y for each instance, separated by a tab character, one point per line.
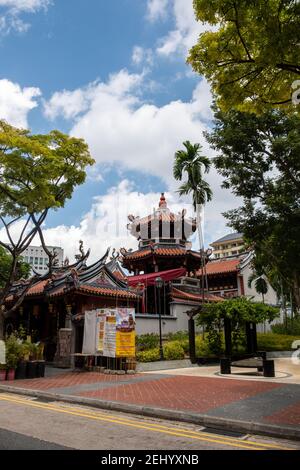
224	432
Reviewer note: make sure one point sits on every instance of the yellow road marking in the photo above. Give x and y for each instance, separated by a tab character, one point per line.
179	432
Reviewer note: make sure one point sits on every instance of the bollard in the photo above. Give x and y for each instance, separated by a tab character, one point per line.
225	365
269	369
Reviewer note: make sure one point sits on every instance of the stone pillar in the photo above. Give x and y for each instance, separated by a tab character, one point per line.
68	322
64	347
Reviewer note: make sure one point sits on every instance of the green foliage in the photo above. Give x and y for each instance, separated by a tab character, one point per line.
214	341
290	327
260	284
150	355
274	342
13	351
191	162
38	172
178	336
147	341
251	57
22	271
239	310
213	346
173	351
264	152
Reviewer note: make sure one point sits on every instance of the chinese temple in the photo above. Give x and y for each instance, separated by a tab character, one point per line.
53	308
164	251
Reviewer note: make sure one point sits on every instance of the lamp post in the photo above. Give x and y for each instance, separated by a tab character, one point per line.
159	284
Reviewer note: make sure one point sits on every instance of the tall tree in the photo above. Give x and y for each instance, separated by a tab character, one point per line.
259	160
37	173
252	59
22	268
191	162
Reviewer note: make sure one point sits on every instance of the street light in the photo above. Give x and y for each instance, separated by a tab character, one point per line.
159	284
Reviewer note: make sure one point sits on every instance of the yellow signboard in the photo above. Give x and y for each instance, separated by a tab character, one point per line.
125	344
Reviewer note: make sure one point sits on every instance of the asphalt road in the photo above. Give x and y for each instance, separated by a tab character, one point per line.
29	423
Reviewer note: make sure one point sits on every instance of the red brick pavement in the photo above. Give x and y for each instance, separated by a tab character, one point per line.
70	379
289	415
198	394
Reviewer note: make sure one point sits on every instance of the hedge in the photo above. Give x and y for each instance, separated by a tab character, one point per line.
173	350
273	342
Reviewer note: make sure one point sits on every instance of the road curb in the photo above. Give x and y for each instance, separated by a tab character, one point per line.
249	427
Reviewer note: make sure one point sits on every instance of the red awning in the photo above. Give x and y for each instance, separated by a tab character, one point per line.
149	279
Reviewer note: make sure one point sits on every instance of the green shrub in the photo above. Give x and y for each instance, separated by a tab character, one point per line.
13	351
146	342
203	347
290	327
178	336
148	356
274	342
173	350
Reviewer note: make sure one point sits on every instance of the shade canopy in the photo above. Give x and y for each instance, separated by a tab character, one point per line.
149	279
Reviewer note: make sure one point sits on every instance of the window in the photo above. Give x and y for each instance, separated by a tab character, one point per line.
31	260
36	260
41	260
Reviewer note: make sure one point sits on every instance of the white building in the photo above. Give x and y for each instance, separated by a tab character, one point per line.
230	245
38	259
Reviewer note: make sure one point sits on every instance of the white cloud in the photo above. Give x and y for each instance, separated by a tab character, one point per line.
12	11
186	31
157	9
106	222
16	102
70	104
122	130
141	56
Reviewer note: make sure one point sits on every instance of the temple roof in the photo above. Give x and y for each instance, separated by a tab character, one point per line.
193	299
96	279
160	250
115	267
222	266
138	227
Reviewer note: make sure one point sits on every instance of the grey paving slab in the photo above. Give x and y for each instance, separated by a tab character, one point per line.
259	406
92	387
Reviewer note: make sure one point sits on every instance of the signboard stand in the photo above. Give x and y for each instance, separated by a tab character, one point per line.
113	340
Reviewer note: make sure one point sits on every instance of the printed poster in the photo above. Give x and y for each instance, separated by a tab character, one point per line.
125	332
100	325
109	340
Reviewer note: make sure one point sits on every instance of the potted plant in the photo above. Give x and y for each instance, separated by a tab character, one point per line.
40	360
21	370
13	353
32	366
2	372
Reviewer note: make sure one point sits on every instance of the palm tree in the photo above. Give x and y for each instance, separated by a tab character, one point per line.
191	162
260	284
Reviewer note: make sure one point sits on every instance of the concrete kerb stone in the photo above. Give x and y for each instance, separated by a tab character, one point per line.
249	427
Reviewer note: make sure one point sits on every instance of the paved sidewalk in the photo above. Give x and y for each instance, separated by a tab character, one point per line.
248	404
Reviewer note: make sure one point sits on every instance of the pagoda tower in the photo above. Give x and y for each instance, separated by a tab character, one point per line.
164	244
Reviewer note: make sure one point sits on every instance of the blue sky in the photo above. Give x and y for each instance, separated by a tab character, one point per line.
114	73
